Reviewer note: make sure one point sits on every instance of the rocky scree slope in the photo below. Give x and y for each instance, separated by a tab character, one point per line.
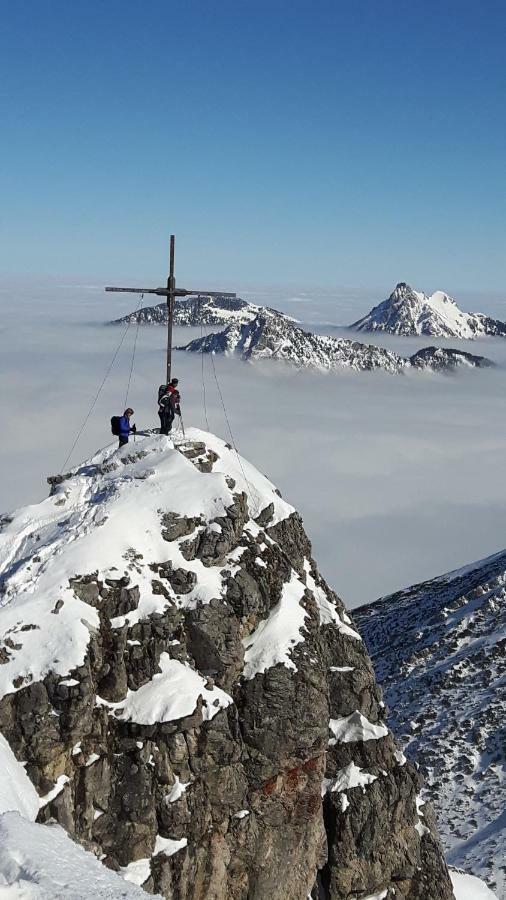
190	700
275	337
199	310
439	650
410	312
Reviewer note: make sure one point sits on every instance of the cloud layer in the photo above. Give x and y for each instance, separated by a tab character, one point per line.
398	478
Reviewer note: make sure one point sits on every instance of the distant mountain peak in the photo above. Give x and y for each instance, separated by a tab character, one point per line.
409	312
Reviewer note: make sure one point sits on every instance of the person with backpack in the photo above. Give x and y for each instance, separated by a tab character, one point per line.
120	426
169	400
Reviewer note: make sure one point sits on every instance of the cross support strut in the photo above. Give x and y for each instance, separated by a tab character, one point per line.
171	292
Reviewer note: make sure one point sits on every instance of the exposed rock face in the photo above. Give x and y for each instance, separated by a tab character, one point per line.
410	312
191	699
439	650
198	310
275	337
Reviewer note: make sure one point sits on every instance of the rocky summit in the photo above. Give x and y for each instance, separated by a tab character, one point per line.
186	697
199	310
275	337
410	312
439	650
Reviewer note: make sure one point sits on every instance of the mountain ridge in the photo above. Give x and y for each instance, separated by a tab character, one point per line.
199	310
275	337
439	649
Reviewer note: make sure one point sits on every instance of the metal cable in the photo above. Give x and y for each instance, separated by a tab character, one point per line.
133	352
202	370
229	426
83	426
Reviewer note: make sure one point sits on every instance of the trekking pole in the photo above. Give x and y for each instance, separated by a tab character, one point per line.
182	425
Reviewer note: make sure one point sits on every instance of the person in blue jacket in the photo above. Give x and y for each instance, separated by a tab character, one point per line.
125	429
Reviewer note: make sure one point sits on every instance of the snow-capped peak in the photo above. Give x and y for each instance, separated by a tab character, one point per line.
410	312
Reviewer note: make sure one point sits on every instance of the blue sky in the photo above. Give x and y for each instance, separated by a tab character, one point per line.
334	143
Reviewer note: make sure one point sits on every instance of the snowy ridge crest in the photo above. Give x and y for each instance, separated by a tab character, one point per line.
275	337
200	310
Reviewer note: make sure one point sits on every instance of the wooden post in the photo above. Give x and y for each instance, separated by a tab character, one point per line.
171	296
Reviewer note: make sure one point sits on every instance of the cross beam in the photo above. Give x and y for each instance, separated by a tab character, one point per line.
171	292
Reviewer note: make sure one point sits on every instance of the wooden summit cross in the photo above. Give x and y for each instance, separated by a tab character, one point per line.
171	292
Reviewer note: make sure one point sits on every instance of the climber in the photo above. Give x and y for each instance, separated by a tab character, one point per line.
125	429
168	405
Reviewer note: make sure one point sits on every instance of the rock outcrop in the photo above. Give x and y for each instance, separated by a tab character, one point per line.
190	699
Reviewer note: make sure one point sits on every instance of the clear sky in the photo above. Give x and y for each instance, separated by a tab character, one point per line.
351	143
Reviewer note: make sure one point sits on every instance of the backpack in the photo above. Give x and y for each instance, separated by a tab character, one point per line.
161	391
115	425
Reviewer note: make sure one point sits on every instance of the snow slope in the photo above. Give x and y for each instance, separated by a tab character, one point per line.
275	337
199	310
38	862
410	312
439	650
467	887
41	862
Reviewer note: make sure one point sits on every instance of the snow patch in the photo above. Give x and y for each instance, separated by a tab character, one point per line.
177	790
137	872
467	887
57	789
327	612
273	639
168	846
351	776
355	727
172	694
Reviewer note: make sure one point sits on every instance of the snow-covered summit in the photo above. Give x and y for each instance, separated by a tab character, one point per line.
439	650
410	312
107	509
200	310
275	337
183	692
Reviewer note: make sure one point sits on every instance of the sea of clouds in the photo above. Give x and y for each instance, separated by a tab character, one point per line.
398	478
